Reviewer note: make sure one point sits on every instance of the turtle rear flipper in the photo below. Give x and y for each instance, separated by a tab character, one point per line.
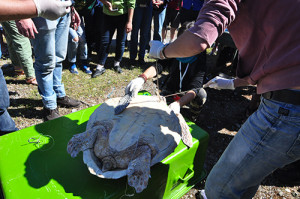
139	169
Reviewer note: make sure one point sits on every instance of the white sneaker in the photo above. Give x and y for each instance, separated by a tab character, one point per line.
202	194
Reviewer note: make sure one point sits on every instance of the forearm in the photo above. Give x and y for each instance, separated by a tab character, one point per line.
185	45
238	82
130	15
14	9
187	98
150	72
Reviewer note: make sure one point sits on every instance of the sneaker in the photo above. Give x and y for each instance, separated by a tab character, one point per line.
118	69
67	102
98	72
74	71
51	114
201	194
87	70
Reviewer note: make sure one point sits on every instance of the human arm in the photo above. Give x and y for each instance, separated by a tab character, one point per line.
107	4
27	28
213	19
187	98
49	9
129	22
223	83
75	19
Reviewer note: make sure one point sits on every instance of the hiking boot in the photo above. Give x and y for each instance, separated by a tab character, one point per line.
67	102
118	69
50	114
98	72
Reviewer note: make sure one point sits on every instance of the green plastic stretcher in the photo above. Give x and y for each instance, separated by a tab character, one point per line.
34	163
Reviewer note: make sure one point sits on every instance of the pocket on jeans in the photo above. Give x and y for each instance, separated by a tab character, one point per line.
294	151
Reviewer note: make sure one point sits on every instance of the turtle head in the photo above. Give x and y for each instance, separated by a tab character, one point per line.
108	163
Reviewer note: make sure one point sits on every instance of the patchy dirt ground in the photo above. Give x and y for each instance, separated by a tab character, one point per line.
221	117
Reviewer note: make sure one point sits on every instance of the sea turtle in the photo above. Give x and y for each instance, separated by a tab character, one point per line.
129	143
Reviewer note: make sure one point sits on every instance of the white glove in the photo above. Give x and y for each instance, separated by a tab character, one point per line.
155	49
52	9
220	83
175	106
135	86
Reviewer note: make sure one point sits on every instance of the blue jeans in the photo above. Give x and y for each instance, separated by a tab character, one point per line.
110	23
50	49
141	22
7	124
159	18
268	140
77	47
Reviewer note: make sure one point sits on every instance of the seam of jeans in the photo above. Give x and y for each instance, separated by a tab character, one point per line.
291	150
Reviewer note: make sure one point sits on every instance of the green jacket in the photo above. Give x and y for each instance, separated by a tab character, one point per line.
84	6
121	5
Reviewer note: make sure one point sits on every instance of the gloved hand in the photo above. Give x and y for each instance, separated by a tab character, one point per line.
175	106
52	9
155	49
220	83
135	86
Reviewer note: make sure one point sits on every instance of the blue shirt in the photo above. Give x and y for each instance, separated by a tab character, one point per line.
195	4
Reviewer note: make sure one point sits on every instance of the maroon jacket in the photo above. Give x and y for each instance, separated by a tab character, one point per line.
267	34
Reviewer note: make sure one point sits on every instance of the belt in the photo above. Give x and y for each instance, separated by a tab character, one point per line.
286	96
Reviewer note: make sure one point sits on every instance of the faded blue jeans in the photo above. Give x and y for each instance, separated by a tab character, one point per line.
50	49
7	124
268	140
77	47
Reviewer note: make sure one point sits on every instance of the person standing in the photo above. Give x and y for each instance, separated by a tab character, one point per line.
49	39
20	10
141	22
117	14
19	48
268	45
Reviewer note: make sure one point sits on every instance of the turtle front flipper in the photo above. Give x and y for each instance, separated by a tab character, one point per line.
82	141
138	171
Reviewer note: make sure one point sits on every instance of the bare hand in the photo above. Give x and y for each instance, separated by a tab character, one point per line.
27	28
75	19
128	27
109	6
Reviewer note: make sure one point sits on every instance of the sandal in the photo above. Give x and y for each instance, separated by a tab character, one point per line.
32	81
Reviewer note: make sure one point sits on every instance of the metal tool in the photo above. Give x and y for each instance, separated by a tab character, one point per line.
123	103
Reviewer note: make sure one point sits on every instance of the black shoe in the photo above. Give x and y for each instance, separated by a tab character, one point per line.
67	102
98	72
141	62
132	63
51	114
118	69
